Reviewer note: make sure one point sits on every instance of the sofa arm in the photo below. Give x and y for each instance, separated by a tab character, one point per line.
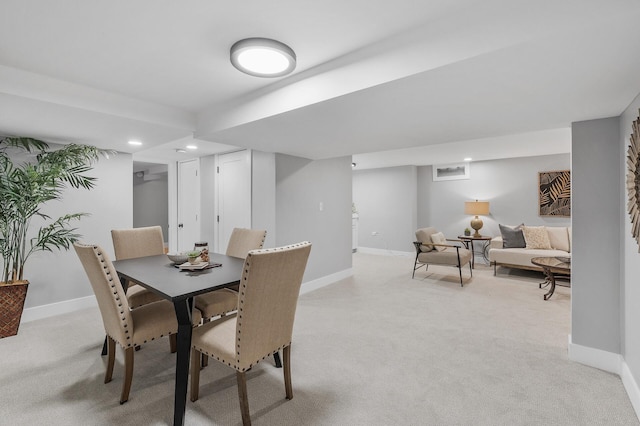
496	243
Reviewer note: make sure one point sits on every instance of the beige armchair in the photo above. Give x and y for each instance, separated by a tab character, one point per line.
126	327
432	248
269	291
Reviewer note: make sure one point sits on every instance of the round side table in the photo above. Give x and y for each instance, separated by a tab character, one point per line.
468	241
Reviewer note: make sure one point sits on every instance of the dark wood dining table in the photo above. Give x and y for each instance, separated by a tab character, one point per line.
159	275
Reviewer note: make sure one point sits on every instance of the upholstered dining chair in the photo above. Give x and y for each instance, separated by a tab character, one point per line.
130	243
263	325
125	326
433	248
221	302
224	301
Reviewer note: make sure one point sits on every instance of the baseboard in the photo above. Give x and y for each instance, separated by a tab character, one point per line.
603	360
631	386
58	308
325	281
369	250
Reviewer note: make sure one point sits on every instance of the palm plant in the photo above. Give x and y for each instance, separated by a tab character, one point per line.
26	186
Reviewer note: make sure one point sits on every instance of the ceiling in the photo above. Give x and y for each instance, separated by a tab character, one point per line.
389	82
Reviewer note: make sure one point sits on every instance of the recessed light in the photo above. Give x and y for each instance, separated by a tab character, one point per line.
191	147
136	143
180	151
467	159
263	57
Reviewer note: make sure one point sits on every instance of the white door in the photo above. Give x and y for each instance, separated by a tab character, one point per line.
188	204
234	195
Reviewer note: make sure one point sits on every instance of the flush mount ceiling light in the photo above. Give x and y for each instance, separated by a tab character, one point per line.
134	142
263	57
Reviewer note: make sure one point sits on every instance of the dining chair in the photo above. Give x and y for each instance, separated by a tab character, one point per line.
263	325
130	243
125	326
224	301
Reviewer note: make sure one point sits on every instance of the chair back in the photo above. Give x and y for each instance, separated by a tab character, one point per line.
112	301
242	240
137	242
423	235
267	302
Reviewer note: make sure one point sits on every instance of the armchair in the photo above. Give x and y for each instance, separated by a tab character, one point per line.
432	248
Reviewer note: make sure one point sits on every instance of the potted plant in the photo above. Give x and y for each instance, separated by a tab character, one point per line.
467	232
30	176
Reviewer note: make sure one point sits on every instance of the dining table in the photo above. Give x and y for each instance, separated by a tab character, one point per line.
162	277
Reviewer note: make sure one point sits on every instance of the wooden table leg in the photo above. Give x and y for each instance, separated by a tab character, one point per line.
183	310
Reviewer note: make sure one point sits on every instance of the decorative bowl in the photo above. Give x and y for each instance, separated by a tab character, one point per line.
177	258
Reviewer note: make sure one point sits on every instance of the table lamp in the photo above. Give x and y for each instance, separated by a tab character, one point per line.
476	208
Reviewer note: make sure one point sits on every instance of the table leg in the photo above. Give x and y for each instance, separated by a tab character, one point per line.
183	310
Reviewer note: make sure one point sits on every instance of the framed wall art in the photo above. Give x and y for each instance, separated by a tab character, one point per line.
633	180
554	193
451	172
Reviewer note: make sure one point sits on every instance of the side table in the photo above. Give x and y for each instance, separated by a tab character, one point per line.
468	241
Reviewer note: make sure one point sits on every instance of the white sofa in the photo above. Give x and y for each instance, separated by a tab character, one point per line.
559	241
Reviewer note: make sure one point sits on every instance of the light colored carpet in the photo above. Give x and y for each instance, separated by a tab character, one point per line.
375	349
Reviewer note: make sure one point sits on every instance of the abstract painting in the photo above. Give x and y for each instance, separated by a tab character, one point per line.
554	193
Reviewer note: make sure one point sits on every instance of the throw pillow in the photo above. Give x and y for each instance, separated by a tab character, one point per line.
512	237
536	237
438	238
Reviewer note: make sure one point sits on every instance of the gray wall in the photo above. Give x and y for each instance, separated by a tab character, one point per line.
630	292
386	203
596	208
301	185
263	194
151	203
59	276
396	201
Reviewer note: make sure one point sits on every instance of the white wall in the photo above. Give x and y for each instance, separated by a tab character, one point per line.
630	291
386	202
59	276
301	185
596	208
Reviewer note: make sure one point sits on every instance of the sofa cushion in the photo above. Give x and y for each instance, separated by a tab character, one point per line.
512	237
558	238
536	237
438	238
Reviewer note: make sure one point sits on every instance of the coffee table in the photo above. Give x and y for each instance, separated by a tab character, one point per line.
553	268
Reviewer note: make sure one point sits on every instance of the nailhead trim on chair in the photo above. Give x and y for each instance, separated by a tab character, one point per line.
123	318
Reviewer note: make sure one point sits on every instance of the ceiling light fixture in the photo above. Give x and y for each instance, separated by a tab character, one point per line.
191	147
136	143
180	151
263	57
468	159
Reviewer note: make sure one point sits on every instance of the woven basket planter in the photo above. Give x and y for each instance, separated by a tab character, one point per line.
12	296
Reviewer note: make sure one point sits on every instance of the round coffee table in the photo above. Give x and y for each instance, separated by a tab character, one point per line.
553	268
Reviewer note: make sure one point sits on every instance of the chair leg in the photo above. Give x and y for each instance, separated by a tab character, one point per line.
173	343
111	352
195	374
244	401
287	371
460	271
128	374
276	360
